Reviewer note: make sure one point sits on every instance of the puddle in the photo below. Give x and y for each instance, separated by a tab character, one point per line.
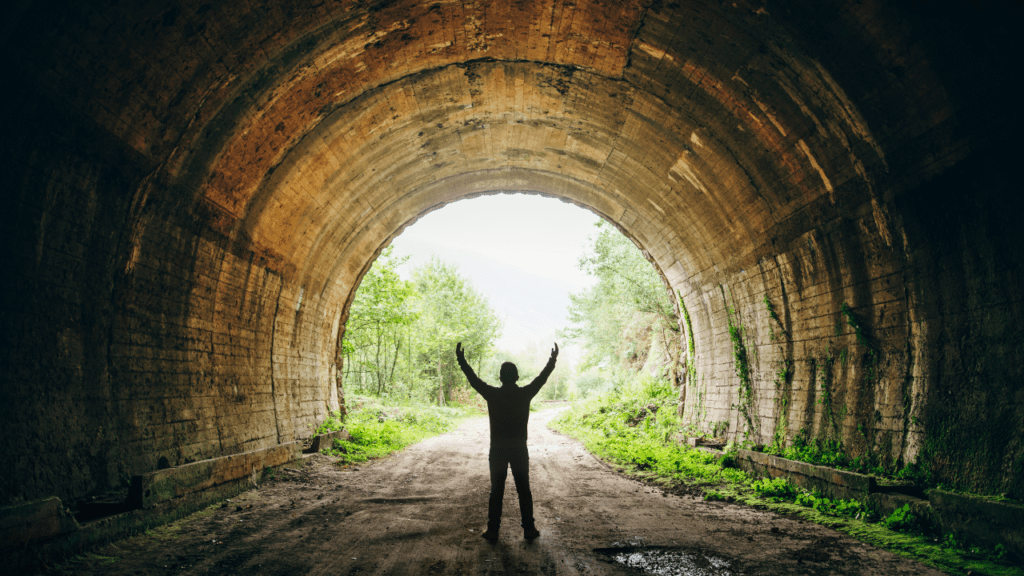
667	561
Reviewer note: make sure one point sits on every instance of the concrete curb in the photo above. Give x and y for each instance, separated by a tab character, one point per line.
971	519
41	531
24	522
829	481
149	489
980	520
326	441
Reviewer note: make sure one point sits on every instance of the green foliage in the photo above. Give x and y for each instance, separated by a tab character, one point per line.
779	487
691	364
591	382
450	311
852	322
828	506
633	425
530	361
627	313
775	317
333	422
824	452
904	520
401	334
742	366
378	429
621	427
377	329
831	452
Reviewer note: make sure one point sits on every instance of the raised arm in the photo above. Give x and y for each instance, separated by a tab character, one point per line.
477	384
542	378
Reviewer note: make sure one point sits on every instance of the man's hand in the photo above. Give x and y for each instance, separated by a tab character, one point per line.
554	351
459	352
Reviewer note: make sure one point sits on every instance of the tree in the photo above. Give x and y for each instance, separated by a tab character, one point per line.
450	311
376	333
619	320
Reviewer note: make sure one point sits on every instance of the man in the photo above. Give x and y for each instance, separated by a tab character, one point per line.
508	408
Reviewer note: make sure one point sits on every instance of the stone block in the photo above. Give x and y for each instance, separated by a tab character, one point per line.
697	442
322	441
830	482
150	489
885	503
979	520
26	522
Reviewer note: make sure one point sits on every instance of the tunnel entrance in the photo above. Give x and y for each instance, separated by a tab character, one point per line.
192	194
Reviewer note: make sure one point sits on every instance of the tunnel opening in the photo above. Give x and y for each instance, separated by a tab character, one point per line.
511	250
525	256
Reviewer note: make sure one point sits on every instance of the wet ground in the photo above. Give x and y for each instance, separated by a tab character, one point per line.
422	512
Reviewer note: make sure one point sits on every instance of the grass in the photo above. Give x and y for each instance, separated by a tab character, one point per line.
378	429
635	428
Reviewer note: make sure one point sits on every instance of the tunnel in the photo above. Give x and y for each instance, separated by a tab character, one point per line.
192	191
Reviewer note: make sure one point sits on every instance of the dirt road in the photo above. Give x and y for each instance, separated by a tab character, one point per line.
422	512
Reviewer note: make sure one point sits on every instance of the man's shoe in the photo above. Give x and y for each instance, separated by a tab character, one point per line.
530	532
491	535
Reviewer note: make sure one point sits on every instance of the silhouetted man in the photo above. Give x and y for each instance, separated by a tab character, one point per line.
508	408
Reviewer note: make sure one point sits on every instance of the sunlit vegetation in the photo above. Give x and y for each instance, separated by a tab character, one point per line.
634	427
378	429
530	361
626	322
401	334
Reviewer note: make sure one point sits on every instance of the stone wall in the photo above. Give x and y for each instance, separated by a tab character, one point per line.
810	374
136	338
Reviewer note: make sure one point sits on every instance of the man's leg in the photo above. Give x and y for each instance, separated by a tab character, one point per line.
519	459
498	460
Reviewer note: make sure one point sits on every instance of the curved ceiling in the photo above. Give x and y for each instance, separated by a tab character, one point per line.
696	129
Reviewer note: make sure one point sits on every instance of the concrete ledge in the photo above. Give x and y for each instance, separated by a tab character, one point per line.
980	520
885	503
972	519
829	481
326	440
36	520
696	442
39	553
150	489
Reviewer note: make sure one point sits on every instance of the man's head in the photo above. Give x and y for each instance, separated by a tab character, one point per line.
509	374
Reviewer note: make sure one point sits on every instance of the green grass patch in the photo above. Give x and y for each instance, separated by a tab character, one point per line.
378	429
632	426
635	427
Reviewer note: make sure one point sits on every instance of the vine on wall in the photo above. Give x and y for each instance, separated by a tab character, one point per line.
782	378
699	393
741	361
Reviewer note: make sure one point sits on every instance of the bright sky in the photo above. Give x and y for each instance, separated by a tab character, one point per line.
518	250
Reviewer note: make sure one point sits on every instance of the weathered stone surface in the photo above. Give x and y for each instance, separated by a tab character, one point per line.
885	503
831	482
321	441
150	489
980	520
27	522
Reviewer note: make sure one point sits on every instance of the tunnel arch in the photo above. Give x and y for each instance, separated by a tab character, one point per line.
199	189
